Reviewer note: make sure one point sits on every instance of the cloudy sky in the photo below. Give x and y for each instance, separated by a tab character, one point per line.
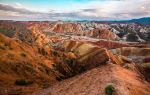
73	9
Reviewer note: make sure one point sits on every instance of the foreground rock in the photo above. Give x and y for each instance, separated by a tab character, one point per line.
94	82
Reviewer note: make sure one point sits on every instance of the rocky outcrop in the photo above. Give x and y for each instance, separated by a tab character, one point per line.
95	81
138	55
89	55
40	54
127	32
67	27
131	32
103	34
110	44
18	60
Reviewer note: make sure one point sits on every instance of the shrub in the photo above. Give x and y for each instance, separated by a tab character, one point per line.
6	44
23	54
69	61
109	89
55	53
43	52
2	47
11	56
82	69
7	32
22	82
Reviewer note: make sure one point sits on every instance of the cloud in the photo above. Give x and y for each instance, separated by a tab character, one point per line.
5	7
19	13
122	9
93	10
89	10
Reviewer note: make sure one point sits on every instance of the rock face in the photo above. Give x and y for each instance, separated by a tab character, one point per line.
18	61
67	27
133	37
110	44
103	34
47	64
141	56
138	55
77	29
94	82
90	56
35	62
42	54
131	32
127	32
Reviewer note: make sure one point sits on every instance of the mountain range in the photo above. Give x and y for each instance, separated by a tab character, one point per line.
142	21
74	58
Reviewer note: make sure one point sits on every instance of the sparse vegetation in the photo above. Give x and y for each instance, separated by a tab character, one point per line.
23	82
10	55
81	51
82	69
2	47
144	70
23	54
55	53
109	89
7	32
42	51
70	61
16	92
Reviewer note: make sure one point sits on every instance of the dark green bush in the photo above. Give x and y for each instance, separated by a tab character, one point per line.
55	53
109	89
43	52
23	54
23	82
82	69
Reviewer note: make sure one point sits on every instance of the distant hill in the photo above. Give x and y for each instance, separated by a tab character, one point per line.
143	21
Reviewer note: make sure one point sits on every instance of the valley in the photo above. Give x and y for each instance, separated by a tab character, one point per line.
74	58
